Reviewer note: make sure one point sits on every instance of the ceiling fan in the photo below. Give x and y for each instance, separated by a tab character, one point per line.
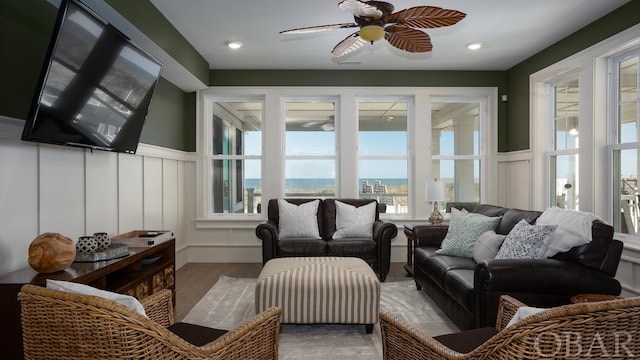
377	20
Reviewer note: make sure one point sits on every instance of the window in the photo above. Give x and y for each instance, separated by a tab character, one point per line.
310	148
383	153
235	156
625	140
456	149
563	144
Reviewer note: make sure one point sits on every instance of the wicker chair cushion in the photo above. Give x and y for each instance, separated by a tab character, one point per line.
196	334
466	341
82	289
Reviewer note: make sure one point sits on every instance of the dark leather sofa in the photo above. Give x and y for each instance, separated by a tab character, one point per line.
469	292
376	251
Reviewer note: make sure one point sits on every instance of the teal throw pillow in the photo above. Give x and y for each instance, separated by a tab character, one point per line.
463	232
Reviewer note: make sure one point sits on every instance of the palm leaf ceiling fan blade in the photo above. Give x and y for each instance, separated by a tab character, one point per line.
426	17
349	44
371	16
312	29
408	39
360	9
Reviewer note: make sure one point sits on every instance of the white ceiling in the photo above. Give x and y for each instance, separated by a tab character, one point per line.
512	31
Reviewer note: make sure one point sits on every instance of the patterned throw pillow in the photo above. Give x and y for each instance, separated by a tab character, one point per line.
298	221
526	241
354	222
464	230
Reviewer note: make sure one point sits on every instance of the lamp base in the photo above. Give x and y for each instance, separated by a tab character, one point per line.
436	217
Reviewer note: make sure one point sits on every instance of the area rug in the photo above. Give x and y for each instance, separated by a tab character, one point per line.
230	302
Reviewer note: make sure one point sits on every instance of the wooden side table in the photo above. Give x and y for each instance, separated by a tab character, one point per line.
411	241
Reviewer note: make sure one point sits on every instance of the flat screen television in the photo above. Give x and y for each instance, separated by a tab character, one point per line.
95	87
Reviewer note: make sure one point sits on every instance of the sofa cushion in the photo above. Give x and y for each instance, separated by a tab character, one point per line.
512	216
298	221
437	266
354	222
489	210
459	284
464	230
362	248
487	246
526	241
301	247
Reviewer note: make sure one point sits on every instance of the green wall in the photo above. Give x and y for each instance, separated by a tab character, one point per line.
515	129
367	78
25	30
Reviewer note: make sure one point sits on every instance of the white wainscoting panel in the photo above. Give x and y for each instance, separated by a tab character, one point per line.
101	192
18	202
77	191
153	179
170	193
514	183
130	193
62	189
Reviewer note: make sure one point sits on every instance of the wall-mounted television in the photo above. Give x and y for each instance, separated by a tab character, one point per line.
95	87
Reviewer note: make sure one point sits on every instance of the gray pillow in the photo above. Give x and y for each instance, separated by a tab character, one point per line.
354	222
526	241
298	221
464	230
487	246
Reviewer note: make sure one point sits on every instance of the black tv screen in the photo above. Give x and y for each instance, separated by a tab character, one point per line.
95	87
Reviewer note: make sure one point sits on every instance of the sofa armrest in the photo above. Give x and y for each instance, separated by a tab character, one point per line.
267	231
544	276
429	235
536	282
384	231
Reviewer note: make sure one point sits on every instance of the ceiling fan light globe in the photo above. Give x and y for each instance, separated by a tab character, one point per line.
371	33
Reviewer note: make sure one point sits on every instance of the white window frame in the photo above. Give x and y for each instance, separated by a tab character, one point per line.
408	153
347	134
613	121
482	139
334	157
551	135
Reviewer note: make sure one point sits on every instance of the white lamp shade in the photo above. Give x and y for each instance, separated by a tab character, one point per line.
434	191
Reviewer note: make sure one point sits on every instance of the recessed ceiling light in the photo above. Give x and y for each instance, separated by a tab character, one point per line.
234	44
475	46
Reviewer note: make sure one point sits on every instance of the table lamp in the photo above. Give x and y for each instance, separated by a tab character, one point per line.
435	191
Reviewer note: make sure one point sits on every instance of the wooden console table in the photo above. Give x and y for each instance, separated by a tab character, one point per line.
136	274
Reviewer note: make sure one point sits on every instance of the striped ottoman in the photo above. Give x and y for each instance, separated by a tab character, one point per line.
310	290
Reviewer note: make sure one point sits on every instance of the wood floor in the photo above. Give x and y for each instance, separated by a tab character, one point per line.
195	279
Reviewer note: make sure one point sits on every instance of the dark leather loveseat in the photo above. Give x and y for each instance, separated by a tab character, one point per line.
469	292
376	251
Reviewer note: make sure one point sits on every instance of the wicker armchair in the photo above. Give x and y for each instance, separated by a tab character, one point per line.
61	325
591	330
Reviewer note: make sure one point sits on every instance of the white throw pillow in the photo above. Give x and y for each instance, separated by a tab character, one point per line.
126	300
523	312
573	228
298	221
487	245
354	222
526	241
